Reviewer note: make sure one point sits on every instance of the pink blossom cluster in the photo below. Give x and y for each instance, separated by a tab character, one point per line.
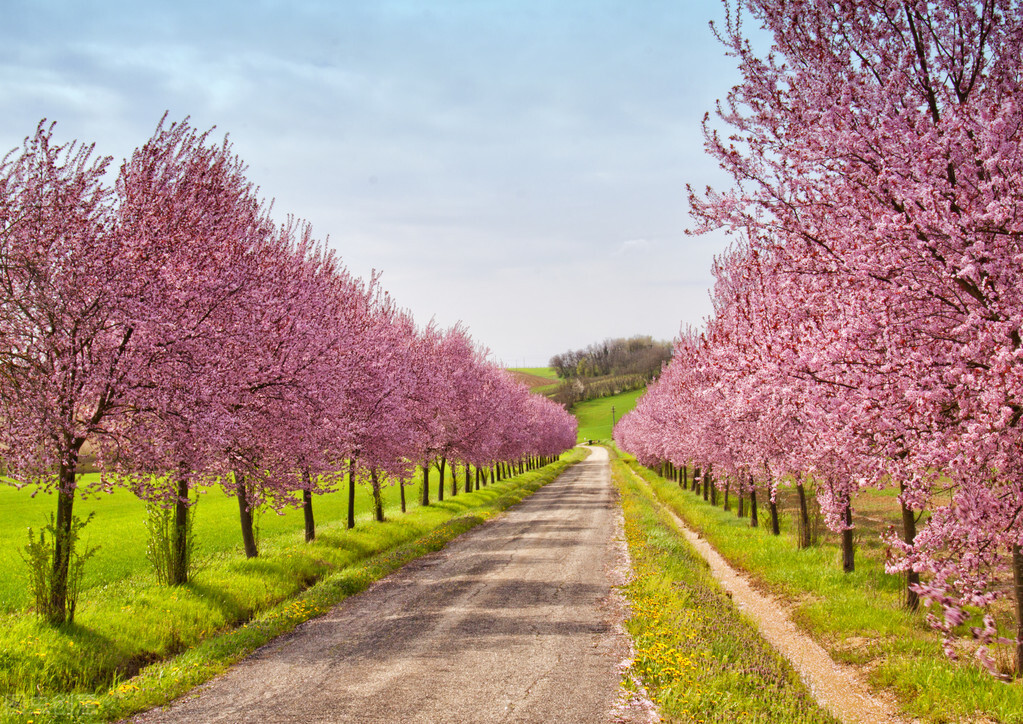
867	321
169	326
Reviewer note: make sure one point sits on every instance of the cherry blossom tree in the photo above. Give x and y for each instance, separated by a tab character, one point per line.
67	335
876	156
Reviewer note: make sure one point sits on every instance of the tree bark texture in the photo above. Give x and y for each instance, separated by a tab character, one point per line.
908	536
307	507
178	573
378	502
245	516
804	517
351	493
848	560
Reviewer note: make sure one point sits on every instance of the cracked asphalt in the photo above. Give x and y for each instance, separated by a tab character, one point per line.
510	623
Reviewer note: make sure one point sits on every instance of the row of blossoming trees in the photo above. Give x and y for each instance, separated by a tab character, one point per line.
171	328
868	318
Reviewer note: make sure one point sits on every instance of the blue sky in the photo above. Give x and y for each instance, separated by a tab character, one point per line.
519	166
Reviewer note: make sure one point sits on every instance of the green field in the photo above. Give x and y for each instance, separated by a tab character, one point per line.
594	416
119	530
547	372
175	638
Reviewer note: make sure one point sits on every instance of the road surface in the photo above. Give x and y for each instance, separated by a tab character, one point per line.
510	623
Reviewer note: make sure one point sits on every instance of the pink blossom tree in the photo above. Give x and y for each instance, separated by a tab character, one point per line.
876	154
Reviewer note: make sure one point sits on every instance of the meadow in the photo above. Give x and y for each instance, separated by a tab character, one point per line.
595	416
135	644
858	617
119	529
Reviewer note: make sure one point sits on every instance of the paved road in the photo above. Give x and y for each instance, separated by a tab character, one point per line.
510	623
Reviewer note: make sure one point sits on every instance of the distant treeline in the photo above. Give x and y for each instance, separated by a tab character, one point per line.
640	355
580	389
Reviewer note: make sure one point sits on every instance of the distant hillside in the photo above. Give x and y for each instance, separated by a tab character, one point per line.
534	377
640	355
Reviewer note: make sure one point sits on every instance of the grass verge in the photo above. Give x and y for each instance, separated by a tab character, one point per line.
698	657
136	645
857	617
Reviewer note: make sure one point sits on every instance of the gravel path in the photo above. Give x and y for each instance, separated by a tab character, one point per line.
836	687
514	621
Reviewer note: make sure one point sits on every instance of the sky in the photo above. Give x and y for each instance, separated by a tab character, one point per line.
520	166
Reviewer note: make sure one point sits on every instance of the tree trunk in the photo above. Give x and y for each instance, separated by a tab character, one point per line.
775	527
696	479
307	507
426	484
454	479
478	478
245	515
378	502
754	518
706	484
62	540
1017	579
178	573
468	478
440	483
728	484
908	536
351	493
742	500
713	489
804	517
682	481
401	491
848	562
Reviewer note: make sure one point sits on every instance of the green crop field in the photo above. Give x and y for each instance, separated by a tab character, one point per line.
595	416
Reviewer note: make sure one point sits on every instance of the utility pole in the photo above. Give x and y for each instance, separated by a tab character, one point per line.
612	420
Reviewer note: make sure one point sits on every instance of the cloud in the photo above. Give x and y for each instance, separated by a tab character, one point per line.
489	157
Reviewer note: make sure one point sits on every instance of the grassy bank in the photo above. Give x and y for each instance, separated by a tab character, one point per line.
698	658
135	644
858	617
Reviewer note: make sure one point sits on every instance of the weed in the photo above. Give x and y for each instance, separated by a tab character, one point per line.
39	557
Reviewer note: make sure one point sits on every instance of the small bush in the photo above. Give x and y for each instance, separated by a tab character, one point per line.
170	569
39	557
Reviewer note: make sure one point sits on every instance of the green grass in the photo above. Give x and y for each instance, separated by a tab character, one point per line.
594	416
858	617
120	532
135	644
547	372
697	657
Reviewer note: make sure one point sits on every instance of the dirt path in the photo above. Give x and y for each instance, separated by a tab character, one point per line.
838	688
510	623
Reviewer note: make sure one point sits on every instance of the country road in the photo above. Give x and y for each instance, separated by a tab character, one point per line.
509	623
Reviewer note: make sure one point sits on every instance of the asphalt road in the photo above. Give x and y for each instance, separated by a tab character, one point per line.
510	623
